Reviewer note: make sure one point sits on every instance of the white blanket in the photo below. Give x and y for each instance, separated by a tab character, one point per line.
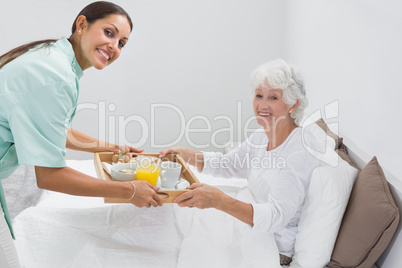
215	239
70	231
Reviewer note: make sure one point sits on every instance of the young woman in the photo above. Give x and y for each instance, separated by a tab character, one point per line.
39	86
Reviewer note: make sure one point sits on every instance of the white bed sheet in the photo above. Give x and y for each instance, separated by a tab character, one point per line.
72	231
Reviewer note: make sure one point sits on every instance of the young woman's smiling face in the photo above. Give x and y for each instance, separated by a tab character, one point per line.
101	42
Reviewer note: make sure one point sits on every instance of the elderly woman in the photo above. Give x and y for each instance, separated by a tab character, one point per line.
273	159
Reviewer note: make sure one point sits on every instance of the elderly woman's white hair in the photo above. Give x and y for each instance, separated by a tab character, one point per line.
281	75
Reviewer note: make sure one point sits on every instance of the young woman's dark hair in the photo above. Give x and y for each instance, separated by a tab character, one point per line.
92	12
99	10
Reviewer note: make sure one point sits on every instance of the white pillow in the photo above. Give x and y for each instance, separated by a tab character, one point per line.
321	216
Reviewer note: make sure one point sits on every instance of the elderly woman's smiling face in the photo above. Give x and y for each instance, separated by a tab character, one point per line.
269	108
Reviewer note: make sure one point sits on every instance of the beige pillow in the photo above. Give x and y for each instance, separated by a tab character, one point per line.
369	223
321	123
340	148
343	153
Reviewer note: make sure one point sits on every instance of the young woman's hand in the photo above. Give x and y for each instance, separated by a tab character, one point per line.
145	195
132	149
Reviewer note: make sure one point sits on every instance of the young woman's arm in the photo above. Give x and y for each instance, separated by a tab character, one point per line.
79	141
70	181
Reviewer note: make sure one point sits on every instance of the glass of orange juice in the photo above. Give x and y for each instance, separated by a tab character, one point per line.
148	168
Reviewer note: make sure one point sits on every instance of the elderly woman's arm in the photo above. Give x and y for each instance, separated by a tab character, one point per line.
232	164
206	196
285	196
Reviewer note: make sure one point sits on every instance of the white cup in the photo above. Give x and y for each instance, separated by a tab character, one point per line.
170	174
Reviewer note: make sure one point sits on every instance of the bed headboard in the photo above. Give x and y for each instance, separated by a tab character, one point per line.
392	256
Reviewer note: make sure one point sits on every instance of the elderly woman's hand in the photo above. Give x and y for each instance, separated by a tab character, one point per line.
190	156
174	150
201	196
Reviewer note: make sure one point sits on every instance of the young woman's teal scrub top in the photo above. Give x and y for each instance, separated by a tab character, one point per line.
38	98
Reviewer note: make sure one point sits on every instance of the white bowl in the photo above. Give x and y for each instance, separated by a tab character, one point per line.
122	176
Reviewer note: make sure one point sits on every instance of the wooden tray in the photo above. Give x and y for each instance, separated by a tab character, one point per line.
167	195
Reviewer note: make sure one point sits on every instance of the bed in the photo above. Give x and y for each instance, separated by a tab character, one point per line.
70	231
58	230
